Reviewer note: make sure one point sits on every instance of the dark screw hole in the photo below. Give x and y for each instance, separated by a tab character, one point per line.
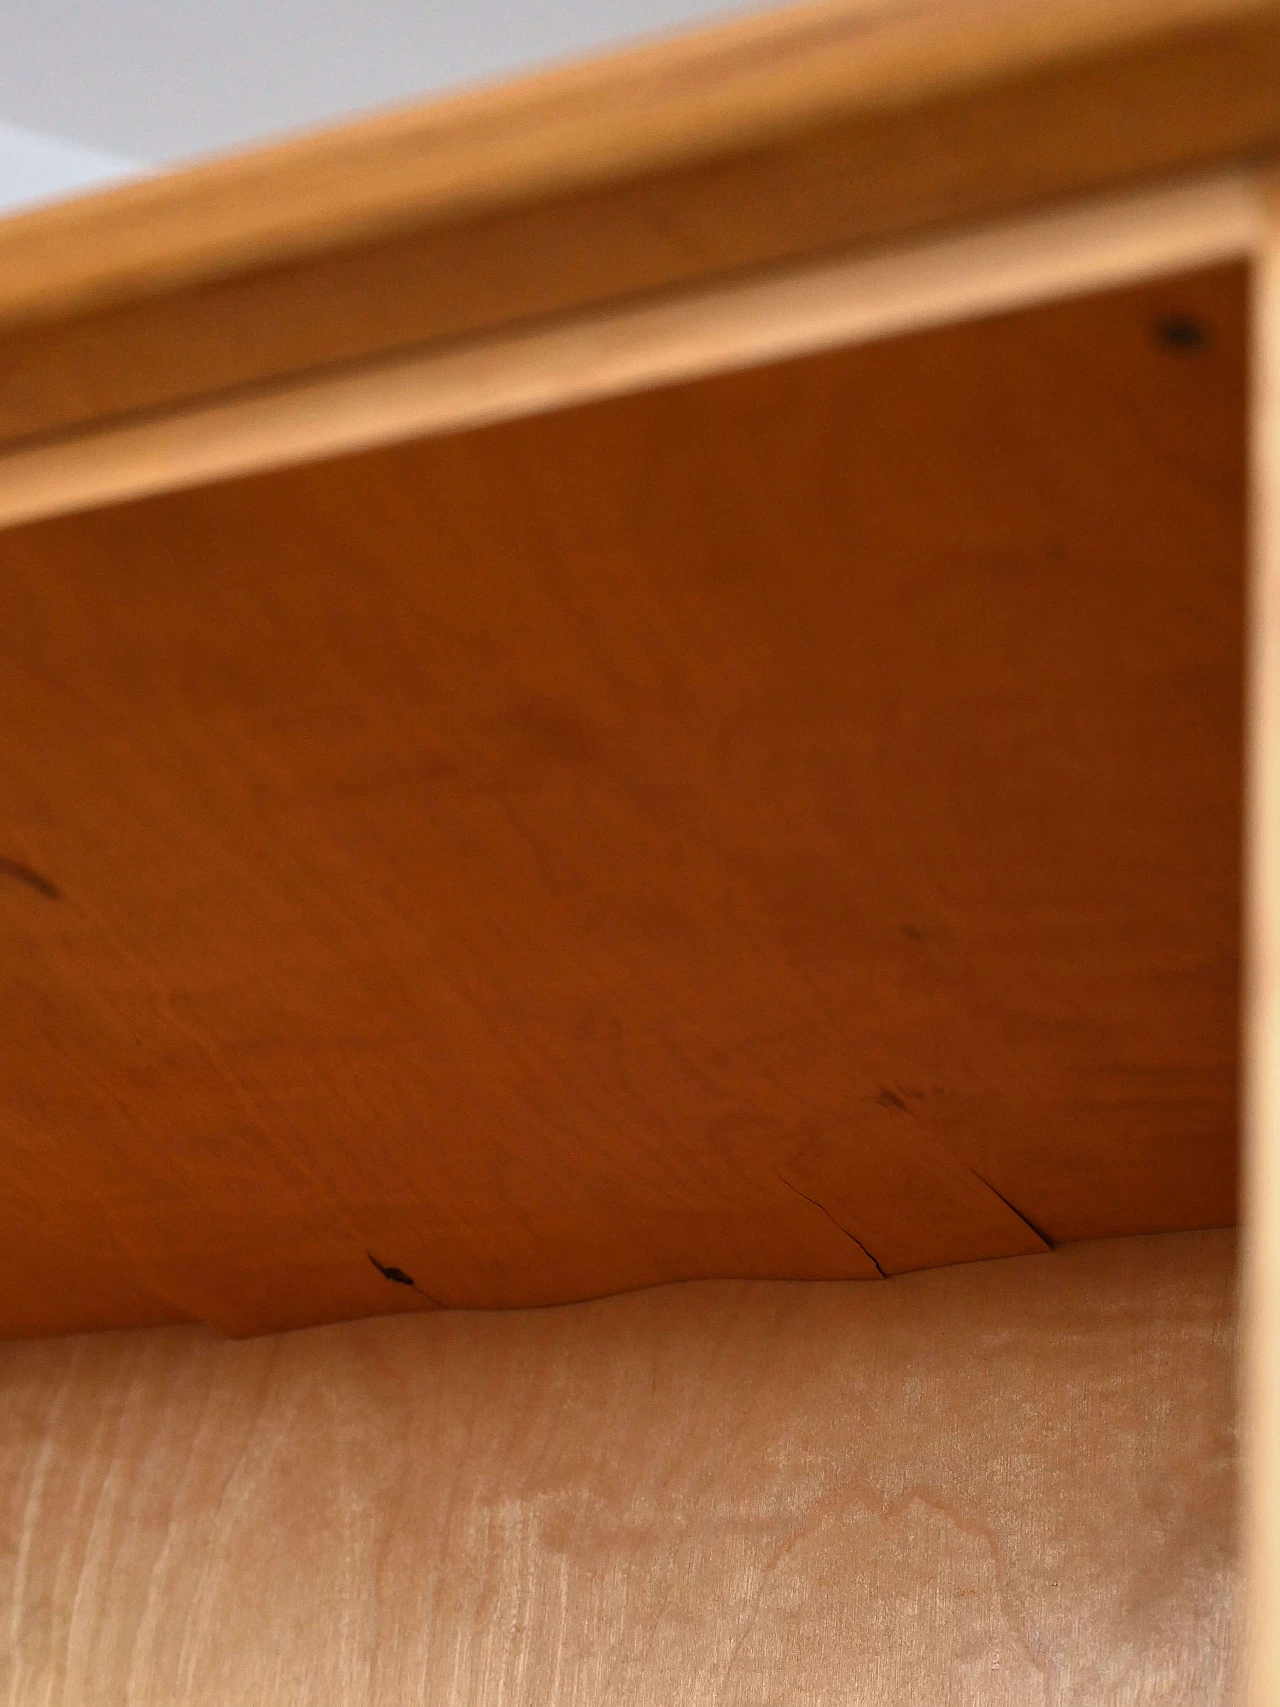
1182	332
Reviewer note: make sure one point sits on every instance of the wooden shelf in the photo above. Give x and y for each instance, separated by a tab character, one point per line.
695	1495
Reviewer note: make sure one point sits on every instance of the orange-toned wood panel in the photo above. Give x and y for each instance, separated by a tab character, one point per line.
783	825
1010	1484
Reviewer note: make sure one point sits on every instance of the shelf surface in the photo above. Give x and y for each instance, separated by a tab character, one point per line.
696	1495
785	824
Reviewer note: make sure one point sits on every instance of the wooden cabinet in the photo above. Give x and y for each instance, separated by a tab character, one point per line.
657	678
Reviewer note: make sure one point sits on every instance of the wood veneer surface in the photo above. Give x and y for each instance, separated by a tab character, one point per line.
782	825
1010	1483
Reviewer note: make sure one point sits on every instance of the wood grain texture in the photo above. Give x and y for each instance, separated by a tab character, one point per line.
758	143
1262	982
1009	1484
738	324
773	826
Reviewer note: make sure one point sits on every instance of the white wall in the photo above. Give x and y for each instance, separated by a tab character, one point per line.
37	168
160	80
94	90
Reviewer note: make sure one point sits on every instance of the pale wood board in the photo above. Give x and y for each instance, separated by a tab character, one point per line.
766	140
1010	1484
1262	989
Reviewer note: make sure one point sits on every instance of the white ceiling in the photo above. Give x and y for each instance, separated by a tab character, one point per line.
95	89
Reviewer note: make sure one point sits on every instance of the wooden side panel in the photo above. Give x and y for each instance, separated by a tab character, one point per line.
1010	1484
776	826
1262	983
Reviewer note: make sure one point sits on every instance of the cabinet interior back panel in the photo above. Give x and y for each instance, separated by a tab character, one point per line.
782	825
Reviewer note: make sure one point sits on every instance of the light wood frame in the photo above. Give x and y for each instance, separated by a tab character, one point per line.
1262	984
795	311
773	141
